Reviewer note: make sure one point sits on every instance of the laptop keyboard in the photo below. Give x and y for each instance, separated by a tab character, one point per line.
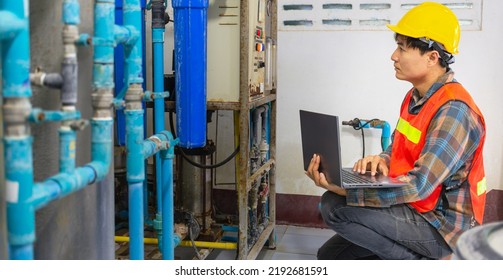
351	178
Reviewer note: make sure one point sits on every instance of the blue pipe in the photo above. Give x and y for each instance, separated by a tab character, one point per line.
19	182
158	42
136	220
384	126
23	195
10	25
385	136
68	138
155	143
133	47
63	184
190	70
71	12
37	115
162	170
135	177
168	221
16	53
134	124
103	42
15	58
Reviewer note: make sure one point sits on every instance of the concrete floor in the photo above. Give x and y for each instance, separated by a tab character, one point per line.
292	243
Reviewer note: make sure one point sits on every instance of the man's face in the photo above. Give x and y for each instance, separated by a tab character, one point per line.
410	65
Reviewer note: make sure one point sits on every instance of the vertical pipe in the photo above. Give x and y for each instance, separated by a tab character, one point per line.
69	72
161	168
135	177
134	126
67	138
16	54
16	91
69	66
168	221
190	71
136	250
19	182
103	43
103	84
133	47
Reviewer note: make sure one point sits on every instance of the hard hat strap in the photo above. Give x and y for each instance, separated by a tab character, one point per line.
444	55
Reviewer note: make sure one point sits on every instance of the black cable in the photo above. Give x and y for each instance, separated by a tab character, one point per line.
195	163
212	165
358	126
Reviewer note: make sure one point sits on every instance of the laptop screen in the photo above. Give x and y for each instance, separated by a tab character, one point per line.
320	136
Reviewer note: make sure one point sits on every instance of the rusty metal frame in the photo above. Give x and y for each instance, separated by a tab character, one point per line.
244	181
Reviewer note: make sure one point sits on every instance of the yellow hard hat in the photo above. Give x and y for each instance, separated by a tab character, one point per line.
431	21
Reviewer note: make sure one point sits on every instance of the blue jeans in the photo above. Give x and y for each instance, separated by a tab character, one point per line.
397	232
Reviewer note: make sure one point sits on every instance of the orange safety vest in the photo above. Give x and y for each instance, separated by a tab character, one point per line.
409	141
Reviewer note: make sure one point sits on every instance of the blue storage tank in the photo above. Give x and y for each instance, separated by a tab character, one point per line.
190	71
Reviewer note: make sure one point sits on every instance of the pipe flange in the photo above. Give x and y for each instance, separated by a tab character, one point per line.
70	34
134	97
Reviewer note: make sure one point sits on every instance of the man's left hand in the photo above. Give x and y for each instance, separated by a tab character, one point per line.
319	178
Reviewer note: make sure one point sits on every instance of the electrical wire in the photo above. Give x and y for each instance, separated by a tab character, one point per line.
359	127
212	166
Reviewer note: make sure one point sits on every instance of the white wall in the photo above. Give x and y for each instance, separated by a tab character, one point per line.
350	74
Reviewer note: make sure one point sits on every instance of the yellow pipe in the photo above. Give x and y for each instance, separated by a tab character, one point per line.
203	244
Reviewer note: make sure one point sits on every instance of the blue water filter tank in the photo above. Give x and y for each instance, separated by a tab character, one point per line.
190	71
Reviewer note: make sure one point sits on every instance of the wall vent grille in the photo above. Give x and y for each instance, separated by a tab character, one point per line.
337	15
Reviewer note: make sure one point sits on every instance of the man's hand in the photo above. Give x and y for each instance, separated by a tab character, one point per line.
373	164
319	178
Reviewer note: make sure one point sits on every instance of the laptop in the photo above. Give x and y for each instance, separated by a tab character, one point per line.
320	135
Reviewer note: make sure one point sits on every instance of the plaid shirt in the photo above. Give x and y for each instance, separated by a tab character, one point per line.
452	138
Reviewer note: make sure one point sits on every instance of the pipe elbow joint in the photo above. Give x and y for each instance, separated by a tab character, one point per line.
386	130
11	25
133	37
100	168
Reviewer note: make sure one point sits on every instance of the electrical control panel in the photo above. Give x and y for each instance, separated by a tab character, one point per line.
257	48
230	26
223	50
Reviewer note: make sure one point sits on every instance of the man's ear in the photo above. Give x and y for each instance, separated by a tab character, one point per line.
433	57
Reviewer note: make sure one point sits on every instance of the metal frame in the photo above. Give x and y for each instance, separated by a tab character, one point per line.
244	181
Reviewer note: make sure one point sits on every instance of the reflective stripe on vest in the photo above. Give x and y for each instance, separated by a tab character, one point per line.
410	132
481	186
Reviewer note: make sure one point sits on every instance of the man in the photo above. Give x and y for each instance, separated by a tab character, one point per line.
437	149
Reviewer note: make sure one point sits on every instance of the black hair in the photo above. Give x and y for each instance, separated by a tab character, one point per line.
423	47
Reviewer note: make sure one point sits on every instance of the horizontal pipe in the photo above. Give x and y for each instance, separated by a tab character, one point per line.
202	244
61	185
155	143
37	115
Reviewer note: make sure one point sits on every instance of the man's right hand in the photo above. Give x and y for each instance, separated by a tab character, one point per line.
373	164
